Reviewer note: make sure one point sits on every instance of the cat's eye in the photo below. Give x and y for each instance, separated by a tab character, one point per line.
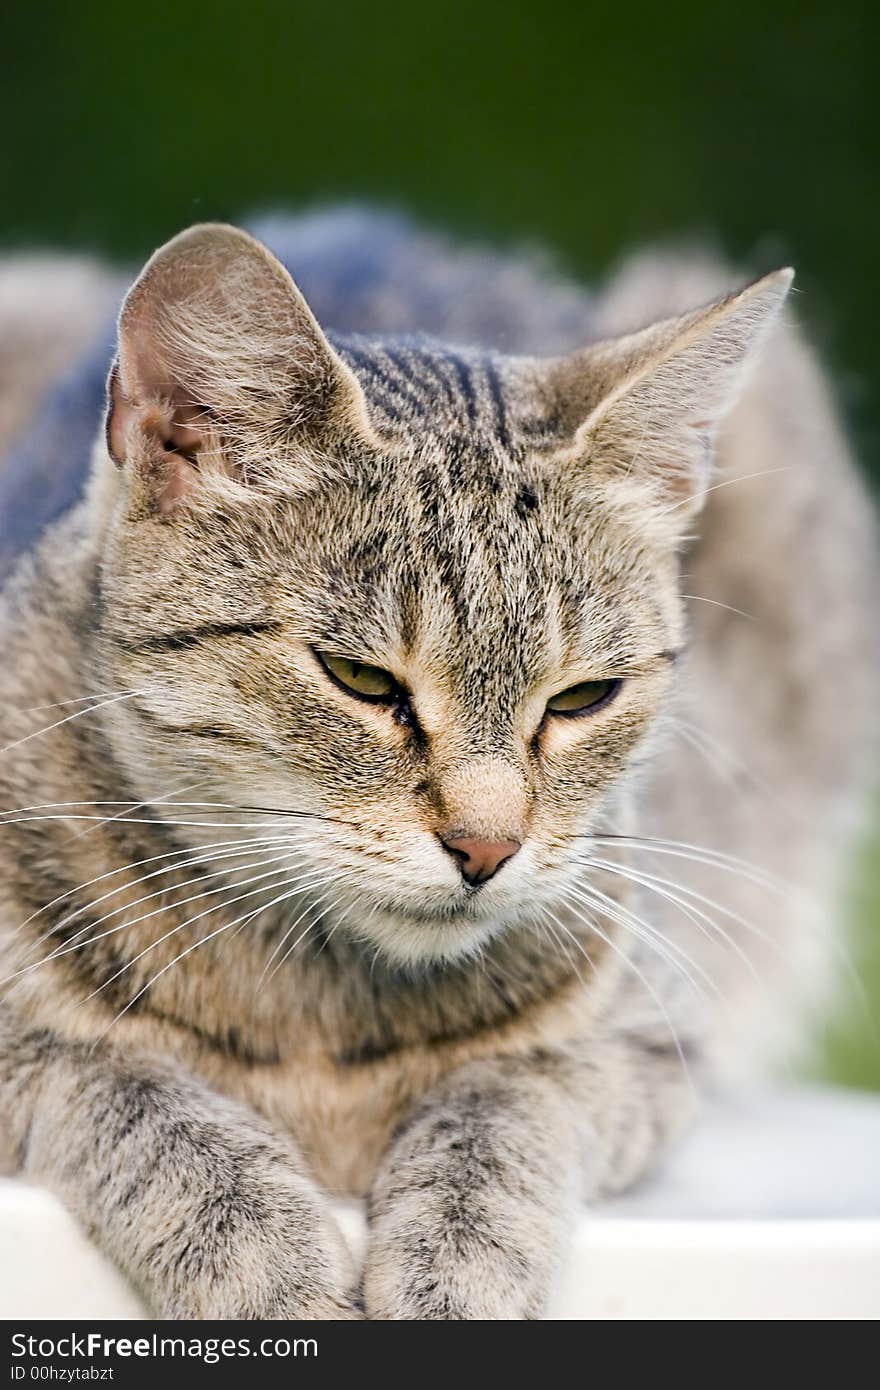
586	698
368	682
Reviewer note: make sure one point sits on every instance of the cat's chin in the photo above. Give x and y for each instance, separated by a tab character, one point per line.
417	937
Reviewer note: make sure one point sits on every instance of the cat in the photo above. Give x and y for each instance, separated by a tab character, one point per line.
412	729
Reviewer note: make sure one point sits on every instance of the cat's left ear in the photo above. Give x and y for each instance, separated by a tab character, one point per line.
644	410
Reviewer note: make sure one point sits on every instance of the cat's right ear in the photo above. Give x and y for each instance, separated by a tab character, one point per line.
222	369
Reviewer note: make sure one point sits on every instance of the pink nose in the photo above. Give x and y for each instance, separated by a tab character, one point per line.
480	859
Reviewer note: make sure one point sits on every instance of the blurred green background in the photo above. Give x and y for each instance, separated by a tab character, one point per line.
589	127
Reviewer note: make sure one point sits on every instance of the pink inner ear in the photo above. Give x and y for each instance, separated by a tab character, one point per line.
186	427
162	438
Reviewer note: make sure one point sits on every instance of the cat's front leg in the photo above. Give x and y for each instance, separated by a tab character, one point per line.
478	1191
469	1210
209	1212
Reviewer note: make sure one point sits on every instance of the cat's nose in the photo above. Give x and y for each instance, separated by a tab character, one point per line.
480	859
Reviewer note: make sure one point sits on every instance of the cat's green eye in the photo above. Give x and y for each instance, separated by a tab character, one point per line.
369	682
586	698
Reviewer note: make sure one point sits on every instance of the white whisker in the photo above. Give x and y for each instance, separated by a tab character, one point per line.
79	700
280	945
227	926
206	912
66	949
126	695
727	482
139	806
670	890
716	603
123	868
644	931
173	903
248	846
640	976
699	854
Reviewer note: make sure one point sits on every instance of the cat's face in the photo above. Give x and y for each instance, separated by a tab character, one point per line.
441	622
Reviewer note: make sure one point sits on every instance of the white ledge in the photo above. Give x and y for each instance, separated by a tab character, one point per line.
771	1209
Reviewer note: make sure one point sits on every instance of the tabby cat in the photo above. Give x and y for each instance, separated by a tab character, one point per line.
429	747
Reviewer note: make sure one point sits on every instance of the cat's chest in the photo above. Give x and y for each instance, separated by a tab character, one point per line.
342	1118
343	1112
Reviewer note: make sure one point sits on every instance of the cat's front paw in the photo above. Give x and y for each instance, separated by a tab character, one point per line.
267	1305
411	1278
261	1299
279	1261
447	1301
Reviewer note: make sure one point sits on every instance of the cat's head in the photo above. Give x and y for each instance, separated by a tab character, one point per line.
428	596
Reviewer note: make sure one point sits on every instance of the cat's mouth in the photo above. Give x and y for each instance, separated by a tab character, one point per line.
418	934
464	904
464	908
502	899
416	912
441	926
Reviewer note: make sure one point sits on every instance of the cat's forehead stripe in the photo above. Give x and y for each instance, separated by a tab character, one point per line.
443	392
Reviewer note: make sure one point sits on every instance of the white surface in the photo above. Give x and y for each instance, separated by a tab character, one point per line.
771	1209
